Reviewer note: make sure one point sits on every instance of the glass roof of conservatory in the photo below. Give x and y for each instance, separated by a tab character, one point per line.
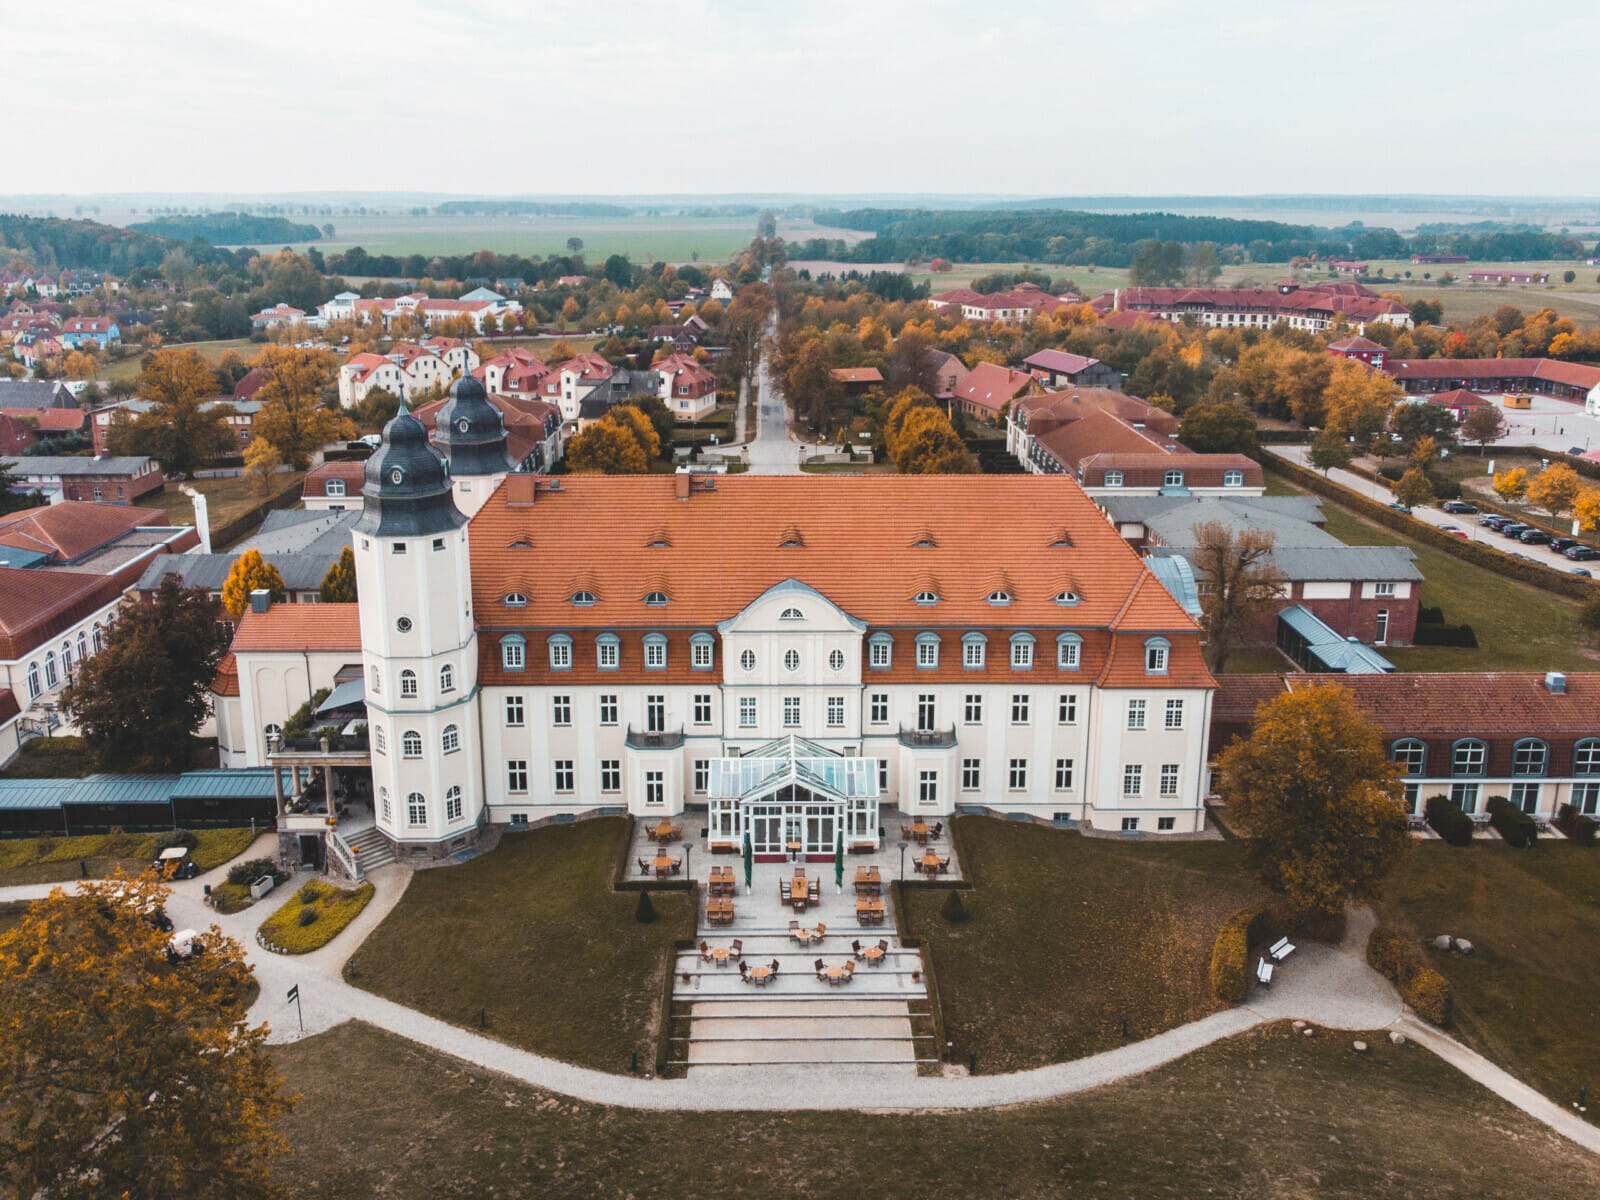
792	760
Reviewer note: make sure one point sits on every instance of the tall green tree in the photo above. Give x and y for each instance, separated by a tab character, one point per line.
1219	429
140	700
122	1074
339	584
179	430
293	417
1329	452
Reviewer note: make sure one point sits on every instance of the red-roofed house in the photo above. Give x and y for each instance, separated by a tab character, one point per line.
1361	349
360	373
1312	309
514	372
856	381
570	382
334	485
1498	376
1508	275
687	388
1057	369
1021	303
276	316
989	390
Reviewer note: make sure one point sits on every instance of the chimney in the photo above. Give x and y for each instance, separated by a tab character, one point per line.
1556	682
260	600
680	483
202	520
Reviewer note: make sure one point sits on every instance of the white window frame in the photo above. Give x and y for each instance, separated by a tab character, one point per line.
1136	713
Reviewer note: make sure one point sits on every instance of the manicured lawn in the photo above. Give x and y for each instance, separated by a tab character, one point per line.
54	860
1068	935
212	352
1519	627
332	908
533	933
1268	1114
1258	660
226	498
1529	996
50	758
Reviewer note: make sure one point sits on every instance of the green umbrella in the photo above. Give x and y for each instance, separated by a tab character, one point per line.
838	862
749	859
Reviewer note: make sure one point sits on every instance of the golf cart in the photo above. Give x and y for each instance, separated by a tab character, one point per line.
183	945
175	863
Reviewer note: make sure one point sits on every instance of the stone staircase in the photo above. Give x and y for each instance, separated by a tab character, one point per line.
376	850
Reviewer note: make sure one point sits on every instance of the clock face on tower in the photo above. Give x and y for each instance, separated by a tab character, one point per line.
397	476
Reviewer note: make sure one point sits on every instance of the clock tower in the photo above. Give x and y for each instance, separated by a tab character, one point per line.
471	432
419	646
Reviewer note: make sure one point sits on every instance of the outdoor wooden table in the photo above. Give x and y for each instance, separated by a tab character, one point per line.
720	956
662	864
871	953
930	864
869	910
794	848
760	973
802	936
920	831
835	974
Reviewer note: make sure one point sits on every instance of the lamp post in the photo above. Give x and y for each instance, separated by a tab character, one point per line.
688	867
903	846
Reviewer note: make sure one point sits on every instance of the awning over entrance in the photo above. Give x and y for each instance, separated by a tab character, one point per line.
794	798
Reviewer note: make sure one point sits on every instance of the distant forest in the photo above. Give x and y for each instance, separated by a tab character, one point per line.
1112	240
231	229
55	243
532	208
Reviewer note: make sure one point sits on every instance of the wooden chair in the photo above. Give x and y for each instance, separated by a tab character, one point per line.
944	866
905	833
705	952
650	833
883	944
736	951
822	972
644	866
677	866
774	966
855	947
816	934
744	970
850	970
677	833
938	828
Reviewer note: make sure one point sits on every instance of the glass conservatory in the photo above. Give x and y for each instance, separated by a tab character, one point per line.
793	798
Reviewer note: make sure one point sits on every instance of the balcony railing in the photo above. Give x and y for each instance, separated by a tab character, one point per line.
336	744
928	739
654	739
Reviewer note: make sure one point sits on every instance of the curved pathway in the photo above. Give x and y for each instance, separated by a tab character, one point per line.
1329	986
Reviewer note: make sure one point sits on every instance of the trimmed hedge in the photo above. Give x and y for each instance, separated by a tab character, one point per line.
1399	960
1575	825
1479	554
1511	823
288	932
1440	634
1230	954
1280	437
1448	821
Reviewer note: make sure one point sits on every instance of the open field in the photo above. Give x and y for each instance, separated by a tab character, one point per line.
1067	935
1267	1114
1519	627
533	933
1526	996
226	497
212	352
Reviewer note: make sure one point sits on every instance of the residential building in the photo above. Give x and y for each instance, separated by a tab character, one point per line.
1045	433
514	372
687	389
1534	739
856	381
100	480
348	306
27	393
1020	304
1460	402
949	372
1438	258
1057	370
1361	349
102	331
1313	308
28	426
569	648
569	383
1507	275
721	291
333	485
988	391
277	316
682	337
1344	266
302	574
362	373
1499	376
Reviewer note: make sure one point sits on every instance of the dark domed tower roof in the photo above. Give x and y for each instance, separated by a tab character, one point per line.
407	488
472	432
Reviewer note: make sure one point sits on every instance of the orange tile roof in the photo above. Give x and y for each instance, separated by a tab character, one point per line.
856	375
226	680
993	387
73	527
36	605
315	627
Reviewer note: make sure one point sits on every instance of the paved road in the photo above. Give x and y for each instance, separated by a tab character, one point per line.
1433	515
772	453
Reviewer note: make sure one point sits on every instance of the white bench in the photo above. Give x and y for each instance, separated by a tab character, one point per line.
1281	949
1264	973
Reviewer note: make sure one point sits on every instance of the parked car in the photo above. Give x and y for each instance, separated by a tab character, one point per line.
1514	530
1579	571
1494	520
1562	544
1534	537
1458	506
1400	508
1581	553
1453	531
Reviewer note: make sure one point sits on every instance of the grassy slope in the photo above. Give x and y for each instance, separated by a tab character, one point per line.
1266	1114
226	498
212	352
534	933
1068	935
54	860
1527	996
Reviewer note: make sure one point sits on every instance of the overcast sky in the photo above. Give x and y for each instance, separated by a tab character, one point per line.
985	96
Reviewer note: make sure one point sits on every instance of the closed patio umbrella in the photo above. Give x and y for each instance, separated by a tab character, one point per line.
749	860
838	863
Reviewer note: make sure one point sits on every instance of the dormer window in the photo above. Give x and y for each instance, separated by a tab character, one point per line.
701	649
607	651
792	614
926	598
1233	479
655	651
1069	648
584	598
1113	479
1156	651
1172	479
973	649
1067	597
927	650
1022	652
515	600
656	599
880	651
513	651
560	652
335	488
999	597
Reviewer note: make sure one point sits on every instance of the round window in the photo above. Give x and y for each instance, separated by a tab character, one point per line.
791	659
463	425
747	660
403	624
836	660
397	475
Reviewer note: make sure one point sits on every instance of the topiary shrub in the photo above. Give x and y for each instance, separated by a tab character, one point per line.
1431	995
1576	826
308	915
954	911
309	892
1448	821
1388	953
1230	956
1398	959
243	874
644	912
1511	823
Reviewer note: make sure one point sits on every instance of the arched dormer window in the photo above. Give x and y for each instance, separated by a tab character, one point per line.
974	650
1172	479
1022	651
560	652
450	740
1112	479
447	678
607	651
656	599
927	650
515	600
411	744
1530	757
1412	756
792	614
1233	479
1069	651
513	652
1067	597
583	599
1156	653
880	651
1469	756
655	651
925	597
1586	757
408	684
999	597
335	488
702	651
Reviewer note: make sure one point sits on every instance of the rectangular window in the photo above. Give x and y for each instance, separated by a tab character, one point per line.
927	715
563	774
702	708
1019	775
1135	714
1169	779
517	775
1525	796
1130	824
608	710
610	775
1063	774
1022	656
1383	589
700	656
702	775
972	654
1586	798
974	709
1021	708
928	654
655	714
835	711
878	654
397	548
1174	714
971	774
561	710
608	656
1132	780
883	776
880	708
1067	709
514	714
1464	796
747	712
655	655
928	787
791	711
655	788
1166	824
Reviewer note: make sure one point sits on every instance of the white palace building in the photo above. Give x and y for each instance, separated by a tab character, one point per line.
783	654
